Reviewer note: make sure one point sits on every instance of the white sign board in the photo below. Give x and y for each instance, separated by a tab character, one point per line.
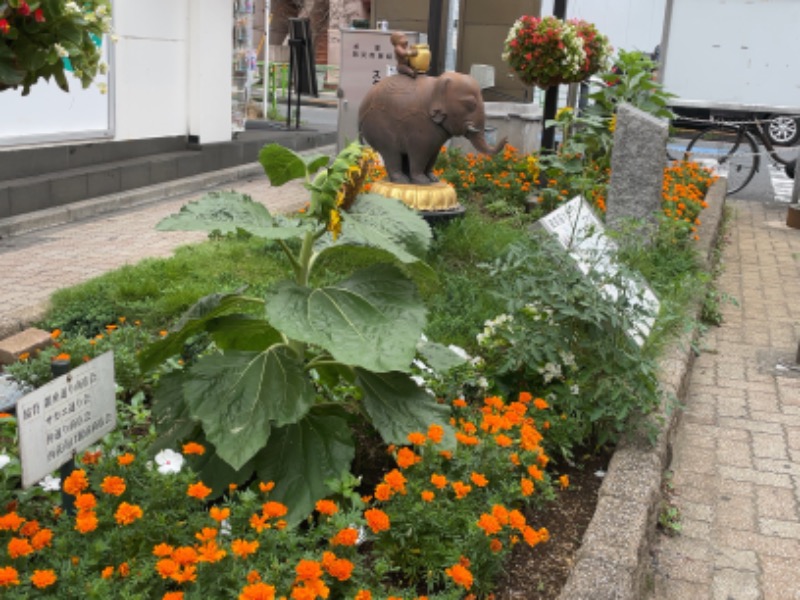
582	235
66	416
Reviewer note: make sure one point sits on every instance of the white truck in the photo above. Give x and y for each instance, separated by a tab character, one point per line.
734	59
723	59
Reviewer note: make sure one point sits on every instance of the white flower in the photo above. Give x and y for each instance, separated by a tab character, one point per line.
115	38
169	461
103	87
60	50
482	383
4	460
550	372
600	473
477	361
50	483
72	8
225	528
101	10
575	389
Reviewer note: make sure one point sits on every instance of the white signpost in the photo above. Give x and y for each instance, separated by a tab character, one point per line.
582	235
66	416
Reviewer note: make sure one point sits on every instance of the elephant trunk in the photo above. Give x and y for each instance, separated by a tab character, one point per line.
478	140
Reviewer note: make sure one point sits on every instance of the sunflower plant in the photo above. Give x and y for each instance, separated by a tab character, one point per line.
44	39
276	394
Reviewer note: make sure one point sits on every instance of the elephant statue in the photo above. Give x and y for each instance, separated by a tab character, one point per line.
407	119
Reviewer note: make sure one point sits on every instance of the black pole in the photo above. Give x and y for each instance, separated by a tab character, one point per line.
57	369
435	9
551	94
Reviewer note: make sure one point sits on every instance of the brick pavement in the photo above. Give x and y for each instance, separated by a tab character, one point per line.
35	264
736	454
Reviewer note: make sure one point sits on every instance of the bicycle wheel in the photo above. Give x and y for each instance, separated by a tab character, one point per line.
730	151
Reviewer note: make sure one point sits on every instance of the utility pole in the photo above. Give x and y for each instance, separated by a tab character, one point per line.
435	10
551	93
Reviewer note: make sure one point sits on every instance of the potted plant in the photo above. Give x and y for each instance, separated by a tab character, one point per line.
43	39
549	51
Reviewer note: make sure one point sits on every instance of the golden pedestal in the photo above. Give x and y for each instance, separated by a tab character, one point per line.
427	198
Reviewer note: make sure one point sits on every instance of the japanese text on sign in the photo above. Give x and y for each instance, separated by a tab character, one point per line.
65	416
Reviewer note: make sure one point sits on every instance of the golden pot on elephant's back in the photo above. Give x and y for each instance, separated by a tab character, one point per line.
422	61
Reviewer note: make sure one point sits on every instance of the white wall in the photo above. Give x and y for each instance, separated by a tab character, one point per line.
173	68
629	24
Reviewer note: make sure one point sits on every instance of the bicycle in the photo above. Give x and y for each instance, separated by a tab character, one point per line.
731	148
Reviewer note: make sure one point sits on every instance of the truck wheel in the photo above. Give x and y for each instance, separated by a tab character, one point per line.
783	130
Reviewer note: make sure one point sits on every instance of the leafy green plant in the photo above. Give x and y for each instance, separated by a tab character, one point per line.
261	398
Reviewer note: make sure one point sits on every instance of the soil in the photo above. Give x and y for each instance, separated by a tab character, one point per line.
540	573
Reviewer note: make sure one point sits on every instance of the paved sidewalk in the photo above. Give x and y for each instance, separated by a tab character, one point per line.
35	264
736	456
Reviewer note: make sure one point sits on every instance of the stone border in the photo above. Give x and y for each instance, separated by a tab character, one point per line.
613	560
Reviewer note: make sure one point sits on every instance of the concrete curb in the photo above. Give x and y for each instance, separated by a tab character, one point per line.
613	560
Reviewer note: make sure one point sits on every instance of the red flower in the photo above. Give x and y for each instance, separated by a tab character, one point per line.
5	26
38	15
24	9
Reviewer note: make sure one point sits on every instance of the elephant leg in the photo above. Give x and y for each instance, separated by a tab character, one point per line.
393	161
420	165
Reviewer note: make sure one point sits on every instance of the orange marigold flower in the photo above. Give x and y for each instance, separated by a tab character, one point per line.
383	492
91	458
266	487
396	481
489	524
85	522
253	576
8	576
503	440
416	438
61	357
187	574
363	595
198	490
495	545
125	459
127	513
42	538
210	552
460	403
460	575
43	578
467	440
526	486
440	481
517	520
85	502
377	520
535	472
308	570
205	534
163	550
340	568
194	448
76	482
259	523
273	509
326	507
257	591
107	573
564	481
345	537
172	596
19	547
446	454
427	495
479	480
461	489
166	567
219	514
406	458
124	570
436	433
500	513
29	529
244	548
541	403
185	555
55	333
11	522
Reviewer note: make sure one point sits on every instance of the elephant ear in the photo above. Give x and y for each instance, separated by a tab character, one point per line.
438	110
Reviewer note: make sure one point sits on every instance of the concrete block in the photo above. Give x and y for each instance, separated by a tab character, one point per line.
134	175
30	340
103	183
190	164
5	203
163	169
70	188
29	195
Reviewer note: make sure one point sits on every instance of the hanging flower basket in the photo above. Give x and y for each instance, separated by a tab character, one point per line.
42	40
548	51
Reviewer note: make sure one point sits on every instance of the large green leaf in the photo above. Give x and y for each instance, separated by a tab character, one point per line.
228	212
241	332
440	358
373	319
282	164
388	224
170	413
299	458
239	396
397	406
195	320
